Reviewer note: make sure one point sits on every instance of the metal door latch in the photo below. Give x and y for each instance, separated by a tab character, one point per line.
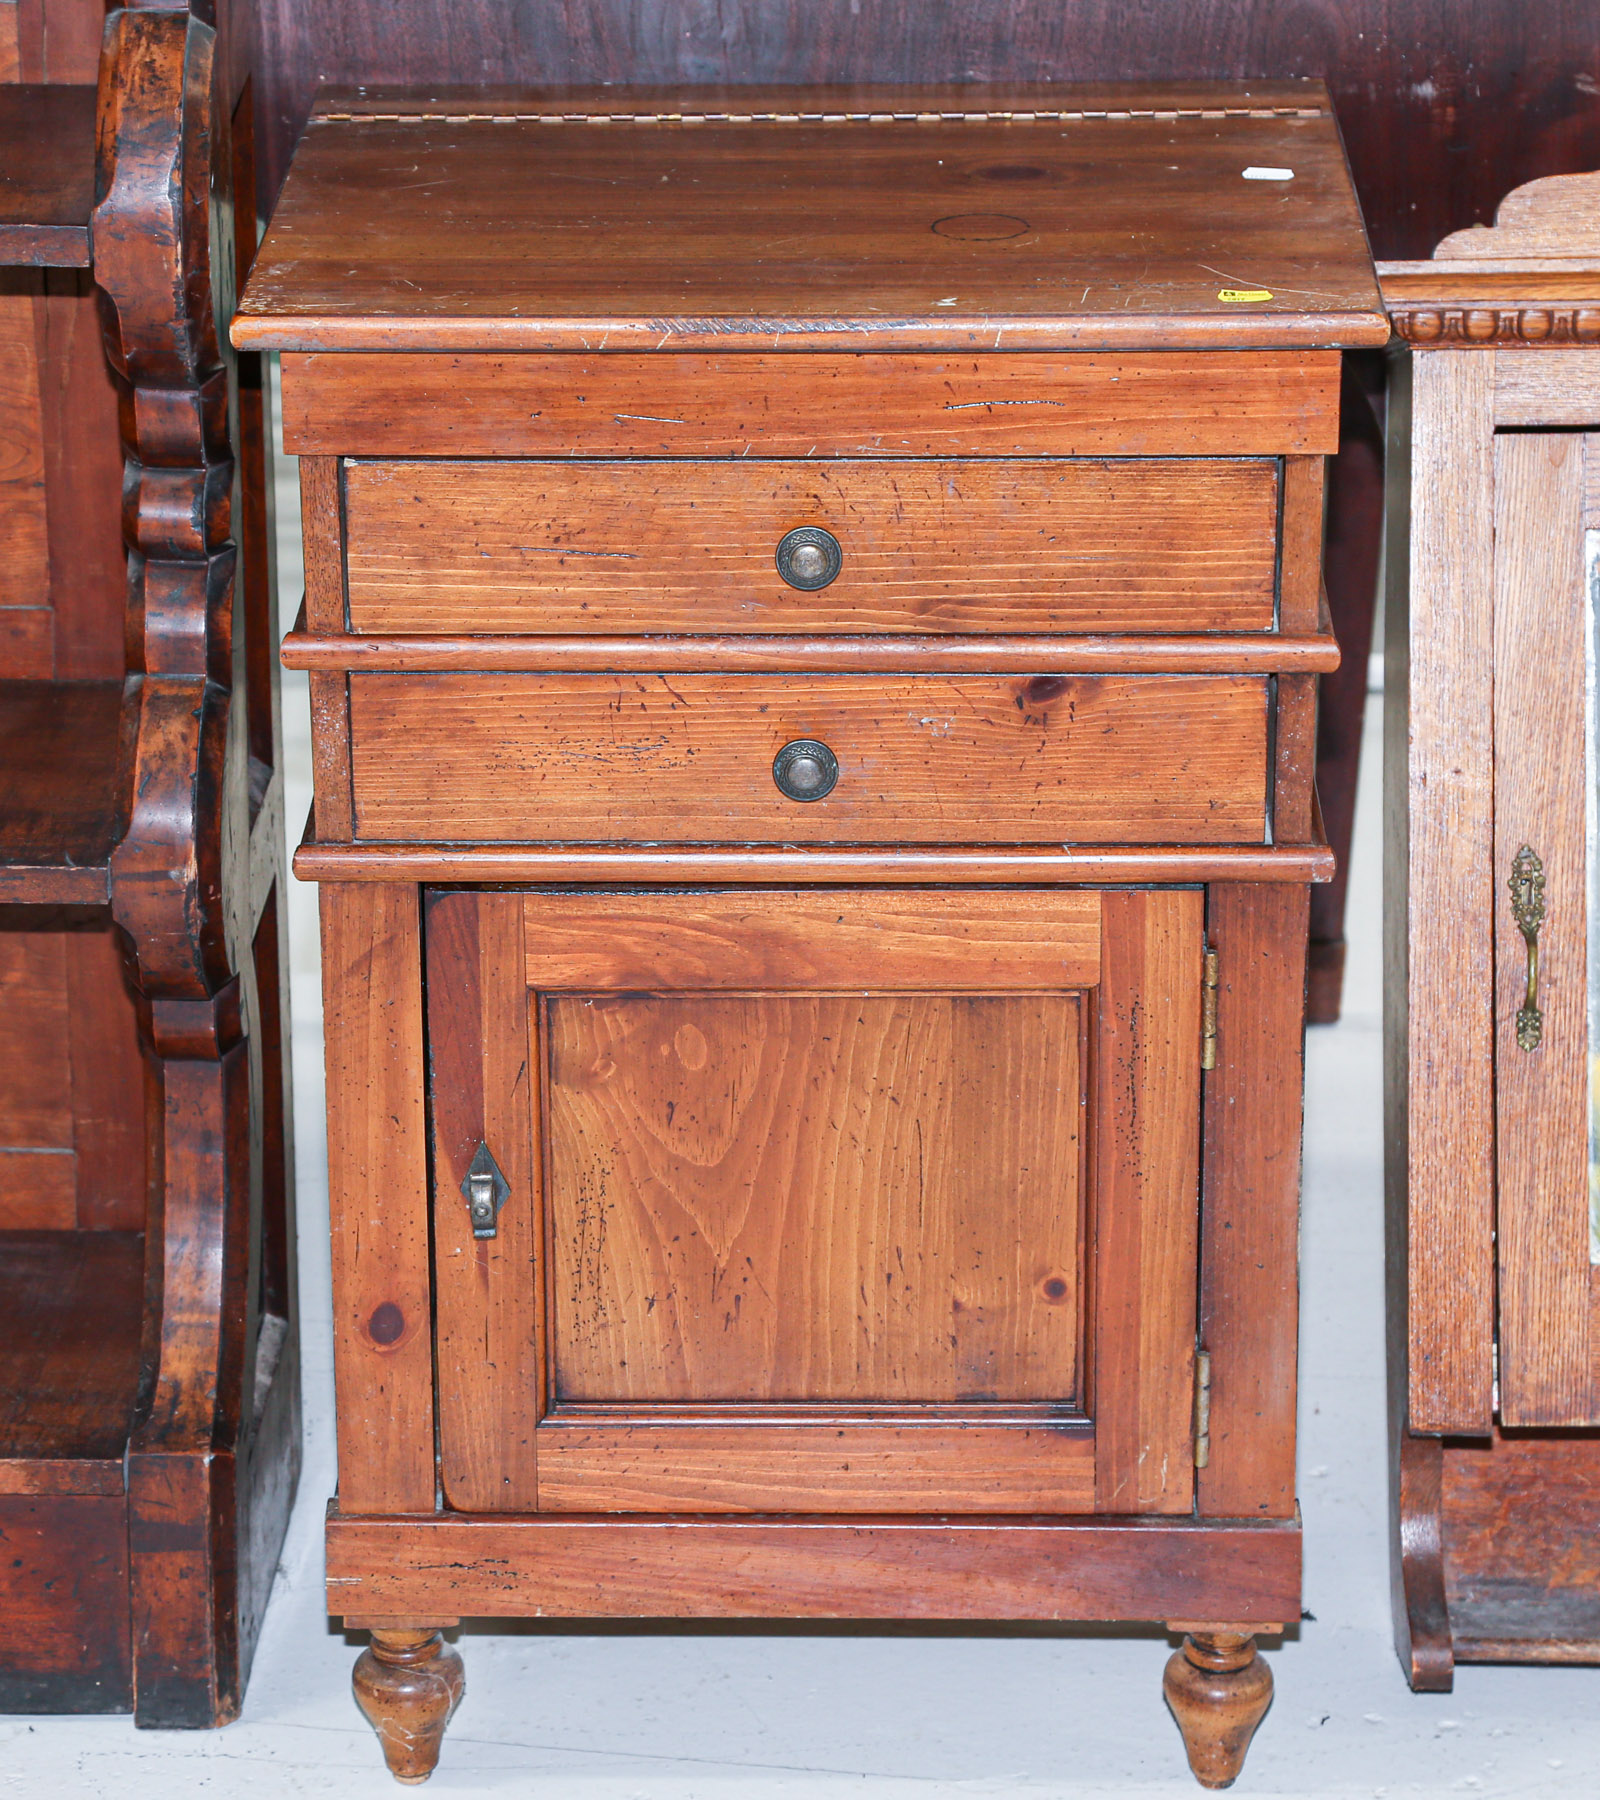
485	1191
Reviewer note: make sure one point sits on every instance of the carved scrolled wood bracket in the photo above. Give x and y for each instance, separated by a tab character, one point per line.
152	235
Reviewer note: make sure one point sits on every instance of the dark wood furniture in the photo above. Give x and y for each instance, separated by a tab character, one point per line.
1493	868
813	615
148	1355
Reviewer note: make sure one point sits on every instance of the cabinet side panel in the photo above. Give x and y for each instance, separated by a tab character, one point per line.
1450	899
378	1195
1249	1259
1542	1091
1146	1111
483	1071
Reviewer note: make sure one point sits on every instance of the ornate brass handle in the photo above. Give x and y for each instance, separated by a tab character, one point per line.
1527	908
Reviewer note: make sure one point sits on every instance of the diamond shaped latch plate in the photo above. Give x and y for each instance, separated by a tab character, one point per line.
485	1191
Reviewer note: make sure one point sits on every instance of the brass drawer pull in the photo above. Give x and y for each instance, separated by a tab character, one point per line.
805	770
1527	908
809	557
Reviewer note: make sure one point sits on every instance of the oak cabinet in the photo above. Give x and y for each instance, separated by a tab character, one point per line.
814	818
1494	872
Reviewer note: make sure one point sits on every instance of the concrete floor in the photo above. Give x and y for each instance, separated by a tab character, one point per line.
887	1715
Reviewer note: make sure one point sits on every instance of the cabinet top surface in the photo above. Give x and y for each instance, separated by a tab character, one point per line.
1191	215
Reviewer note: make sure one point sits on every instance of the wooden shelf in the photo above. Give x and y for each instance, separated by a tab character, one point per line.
46	175
61	804
71	1316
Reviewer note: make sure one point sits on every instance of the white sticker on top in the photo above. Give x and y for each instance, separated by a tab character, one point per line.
1255	173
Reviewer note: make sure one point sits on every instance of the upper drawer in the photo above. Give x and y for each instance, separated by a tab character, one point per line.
689	758
1162	403
1188	544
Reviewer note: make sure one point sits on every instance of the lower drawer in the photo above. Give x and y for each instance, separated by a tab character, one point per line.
504	758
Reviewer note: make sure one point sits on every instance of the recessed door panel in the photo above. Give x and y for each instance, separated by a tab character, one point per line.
922	1242
1547	872
815	1197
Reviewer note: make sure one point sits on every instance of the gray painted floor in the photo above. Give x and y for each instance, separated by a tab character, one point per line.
768	1715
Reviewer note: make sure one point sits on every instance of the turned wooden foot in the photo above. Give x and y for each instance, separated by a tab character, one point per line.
408	1682
1219	1690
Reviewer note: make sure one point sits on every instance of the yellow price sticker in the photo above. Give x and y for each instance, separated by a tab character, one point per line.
1245	294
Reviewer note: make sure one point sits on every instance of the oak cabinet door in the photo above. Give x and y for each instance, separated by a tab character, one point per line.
1547	924
816	1201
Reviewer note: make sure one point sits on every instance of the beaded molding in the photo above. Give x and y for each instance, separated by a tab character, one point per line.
1483	326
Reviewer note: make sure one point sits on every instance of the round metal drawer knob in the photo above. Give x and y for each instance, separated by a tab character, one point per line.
805	770
809	557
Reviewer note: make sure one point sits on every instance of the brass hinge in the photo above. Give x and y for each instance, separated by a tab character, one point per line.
1202	1408
1208	1013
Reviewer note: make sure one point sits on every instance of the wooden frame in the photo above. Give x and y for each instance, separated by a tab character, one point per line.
1491	1286
151	1434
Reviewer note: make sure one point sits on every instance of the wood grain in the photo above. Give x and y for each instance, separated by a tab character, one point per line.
70	1357
1548	392
461	547
333	807
889	1568
778	1197
878	865
1218	1689
1294	760
1145	1200
47	152
378	1189
1250	1234
997	654
83	483
657	235
1443	605
1542	1096
1300	574
1422	1635
25	544
922	760
64	1585
38	1190
113	1085
36	1097
1519	1530
62	806
484	1085
322	540
642	1465
1173	403
908	941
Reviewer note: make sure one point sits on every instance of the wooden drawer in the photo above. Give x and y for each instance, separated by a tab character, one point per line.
990	545
688	758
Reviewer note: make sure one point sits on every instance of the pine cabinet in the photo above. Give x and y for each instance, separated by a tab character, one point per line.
813	653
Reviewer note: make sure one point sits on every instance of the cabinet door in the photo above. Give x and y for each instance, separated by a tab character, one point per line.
1547	900
817	1201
